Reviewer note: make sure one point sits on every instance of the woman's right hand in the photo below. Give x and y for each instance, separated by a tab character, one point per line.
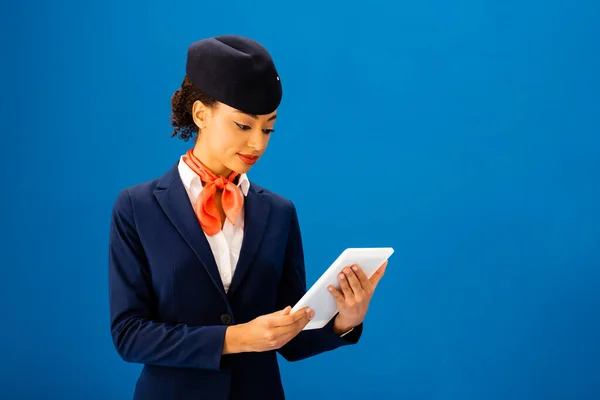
267	332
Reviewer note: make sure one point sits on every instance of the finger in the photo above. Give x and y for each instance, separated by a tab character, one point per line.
292	330
290	334
291	318
285	311
267	319
301	323
362	278
337	295
378	274
354	282
346	289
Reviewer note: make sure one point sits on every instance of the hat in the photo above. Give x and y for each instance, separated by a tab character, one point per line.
236	71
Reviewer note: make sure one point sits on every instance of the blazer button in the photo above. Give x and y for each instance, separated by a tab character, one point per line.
226	319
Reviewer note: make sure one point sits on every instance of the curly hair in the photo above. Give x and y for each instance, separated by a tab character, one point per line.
181	109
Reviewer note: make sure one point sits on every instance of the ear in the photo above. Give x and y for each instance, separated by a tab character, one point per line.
199	114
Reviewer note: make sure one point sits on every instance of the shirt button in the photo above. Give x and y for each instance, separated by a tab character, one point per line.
226	319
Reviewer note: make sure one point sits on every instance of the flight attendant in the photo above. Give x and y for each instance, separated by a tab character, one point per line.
205	265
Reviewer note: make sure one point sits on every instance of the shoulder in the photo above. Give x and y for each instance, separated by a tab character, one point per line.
283	208
134	194
141	194
278	201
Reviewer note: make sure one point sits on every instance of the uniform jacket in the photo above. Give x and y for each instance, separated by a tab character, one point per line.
169	310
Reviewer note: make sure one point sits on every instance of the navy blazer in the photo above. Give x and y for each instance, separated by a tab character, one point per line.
169	310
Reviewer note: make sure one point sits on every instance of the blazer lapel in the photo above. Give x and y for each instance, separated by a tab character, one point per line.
173	199
256	214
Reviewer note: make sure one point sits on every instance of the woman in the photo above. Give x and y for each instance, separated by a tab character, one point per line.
204	265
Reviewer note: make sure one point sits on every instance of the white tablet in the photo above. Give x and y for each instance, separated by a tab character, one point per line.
321	300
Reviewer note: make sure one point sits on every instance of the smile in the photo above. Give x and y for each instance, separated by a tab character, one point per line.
247	158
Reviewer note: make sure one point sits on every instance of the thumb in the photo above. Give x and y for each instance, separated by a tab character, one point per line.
378	274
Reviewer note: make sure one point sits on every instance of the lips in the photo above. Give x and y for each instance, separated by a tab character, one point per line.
248	158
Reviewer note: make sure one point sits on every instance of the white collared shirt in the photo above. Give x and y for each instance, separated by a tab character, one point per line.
227	243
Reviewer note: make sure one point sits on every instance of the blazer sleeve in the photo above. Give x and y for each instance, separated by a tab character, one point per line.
291	288
137	334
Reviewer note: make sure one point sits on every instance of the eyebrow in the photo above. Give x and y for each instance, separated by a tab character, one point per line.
256	116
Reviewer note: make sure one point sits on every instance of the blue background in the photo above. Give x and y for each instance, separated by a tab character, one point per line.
464	134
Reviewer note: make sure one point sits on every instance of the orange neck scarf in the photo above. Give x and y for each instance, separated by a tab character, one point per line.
205	208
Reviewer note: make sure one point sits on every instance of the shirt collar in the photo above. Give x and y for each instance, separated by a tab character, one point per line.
188	177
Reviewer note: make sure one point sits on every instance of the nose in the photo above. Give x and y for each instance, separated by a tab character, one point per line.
257	142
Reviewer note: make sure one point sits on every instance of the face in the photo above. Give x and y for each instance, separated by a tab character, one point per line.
230	140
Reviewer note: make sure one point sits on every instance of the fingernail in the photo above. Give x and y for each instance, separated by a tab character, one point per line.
342	276
346	270
330	288
308	311
355	268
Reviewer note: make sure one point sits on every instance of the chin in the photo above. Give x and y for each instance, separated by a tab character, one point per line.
243	169
240	167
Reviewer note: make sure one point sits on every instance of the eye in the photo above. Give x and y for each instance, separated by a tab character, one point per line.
268	131
242	127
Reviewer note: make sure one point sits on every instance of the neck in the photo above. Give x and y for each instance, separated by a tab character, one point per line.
216	167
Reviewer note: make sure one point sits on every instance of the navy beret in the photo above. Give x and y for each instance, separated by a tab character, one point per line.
236	71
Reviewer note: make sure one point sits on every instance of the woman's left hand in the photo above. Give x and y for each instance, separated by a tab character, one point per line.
355	295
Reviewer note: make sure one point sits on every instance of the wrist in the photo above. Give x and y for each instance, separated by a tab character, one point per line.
340	326
233	340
